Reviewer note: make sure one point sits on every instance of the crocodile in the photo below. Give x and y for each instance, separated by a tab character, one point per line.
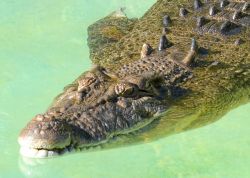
182	65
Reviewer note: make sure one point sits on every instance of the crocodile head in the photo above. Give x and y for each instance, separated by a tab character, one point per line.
101	104
92	110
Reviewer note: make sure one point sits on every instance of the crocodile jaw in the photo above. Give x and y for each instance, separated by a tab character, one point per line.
49	136
44	136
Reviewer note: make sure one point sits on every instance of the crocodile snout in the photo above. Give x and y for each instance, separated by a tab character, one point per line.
44	136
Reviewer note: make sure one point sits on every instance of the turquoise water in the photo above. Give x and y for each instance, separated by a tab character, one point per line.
43	47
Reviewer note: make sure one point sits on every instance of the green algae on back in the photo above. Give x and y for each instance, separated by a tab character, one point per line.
222	72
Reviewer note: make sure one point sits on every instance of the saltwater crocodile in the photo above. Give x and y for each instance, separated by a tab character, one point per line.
194	66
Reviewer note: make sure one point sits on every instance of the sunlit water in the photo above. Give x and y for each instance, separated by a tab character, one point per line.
43	47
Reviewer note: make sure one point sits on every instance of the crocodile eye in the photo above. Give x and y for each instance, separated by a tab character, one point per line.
123	89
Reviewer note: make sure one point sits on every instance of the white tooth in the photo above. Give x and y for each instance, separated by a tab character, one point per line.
52	153
42	154
28	152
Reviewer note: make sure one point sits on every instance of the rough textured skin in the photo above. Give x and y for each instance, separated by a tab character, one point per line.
195	85
108	30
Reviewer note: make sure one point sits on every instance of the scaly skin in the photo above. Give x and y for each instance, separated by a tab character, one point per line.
132	89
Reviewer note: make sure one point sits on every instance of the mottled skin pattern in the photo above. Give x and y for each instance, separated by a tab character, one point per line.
195	84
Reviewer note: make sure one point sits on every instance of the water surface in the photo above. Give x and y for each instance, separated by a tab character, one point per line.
43	47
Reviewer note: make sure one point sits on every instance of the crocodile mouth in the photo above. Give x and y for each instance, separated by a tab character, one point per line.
45	153
33	151
45	137
50	137
48	151
36	152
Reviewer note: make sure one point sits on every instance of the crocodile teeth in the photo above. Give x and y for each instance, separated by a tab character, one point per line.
28	152
52	153
41	153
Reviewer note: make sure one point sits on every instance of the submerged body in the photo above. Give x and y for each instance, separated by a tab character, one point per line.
132	89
